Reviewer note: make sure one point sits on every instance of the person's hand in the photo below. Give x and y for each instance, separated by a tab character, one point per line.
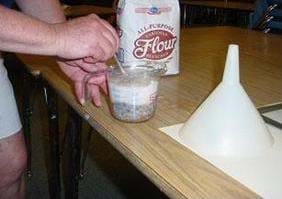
83	45
89	37
87	64
81	79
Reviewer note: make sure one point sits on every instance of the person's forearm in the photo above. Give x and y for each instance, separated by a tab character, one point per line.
46	10
21	33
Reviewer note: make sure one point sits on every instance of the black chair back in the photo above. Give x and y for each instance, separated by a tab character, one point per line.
267	16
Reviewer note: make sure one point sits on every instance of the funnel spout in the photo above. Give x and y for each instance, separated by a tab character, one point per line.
231	70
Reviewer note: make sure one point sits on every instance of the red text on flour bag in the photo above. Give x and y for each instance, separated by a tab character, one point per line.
149	31
154	45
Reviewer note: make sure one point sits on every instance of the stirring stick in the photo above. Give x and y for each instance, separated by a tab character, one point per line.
119	65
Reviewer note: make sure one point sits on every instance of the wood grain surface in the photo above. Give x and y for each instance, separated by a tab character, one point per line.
176	170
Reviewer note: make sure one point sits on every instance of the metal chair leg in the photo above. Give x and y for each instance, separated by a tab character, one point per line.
63	144
85	152
54	178
27	112
72	168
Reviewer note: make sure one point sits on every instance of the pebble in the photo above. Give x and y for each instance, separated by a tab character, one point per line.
133	113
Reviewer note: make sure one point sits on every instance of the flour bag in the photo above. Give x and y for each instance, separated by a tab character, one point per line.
149	32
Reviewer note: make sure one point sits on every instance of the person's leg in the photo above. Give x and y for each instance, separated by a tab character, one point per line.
12	166
12	146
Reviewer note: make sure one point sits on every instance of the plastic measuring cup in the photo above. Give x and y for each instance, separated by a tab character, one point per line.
134	96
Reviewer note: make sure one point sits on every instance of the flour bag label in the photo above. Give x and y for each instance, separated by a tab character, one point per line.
149	31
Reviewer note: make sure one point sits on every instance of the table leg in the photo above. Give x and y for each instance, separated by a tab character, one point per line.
27	111
54	177
73	132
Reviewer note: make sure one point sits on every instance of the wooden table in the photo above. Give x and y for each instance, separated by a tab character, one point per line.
176	170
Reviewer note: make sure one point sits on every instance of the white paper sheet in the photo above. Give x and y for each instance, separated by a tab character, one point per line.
262	174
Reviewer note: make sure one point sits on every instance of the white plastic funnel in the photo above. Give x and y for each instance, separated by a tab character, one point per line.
227	123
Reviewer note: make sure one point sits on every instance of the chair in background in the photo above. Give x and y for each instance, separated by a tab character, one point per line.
267	16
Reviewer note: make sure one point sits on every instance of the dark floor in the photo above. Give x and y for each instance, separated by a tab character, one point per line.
108	174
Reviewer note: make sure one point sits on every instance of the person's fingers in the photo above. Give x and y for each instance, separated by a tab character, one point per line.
90	60
89	33
71	63
101	66
88	67
110	35
104	87
95	94
79	91
113	31
93	85
97	80
106	29
111	28
97	52
106	46
102	80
